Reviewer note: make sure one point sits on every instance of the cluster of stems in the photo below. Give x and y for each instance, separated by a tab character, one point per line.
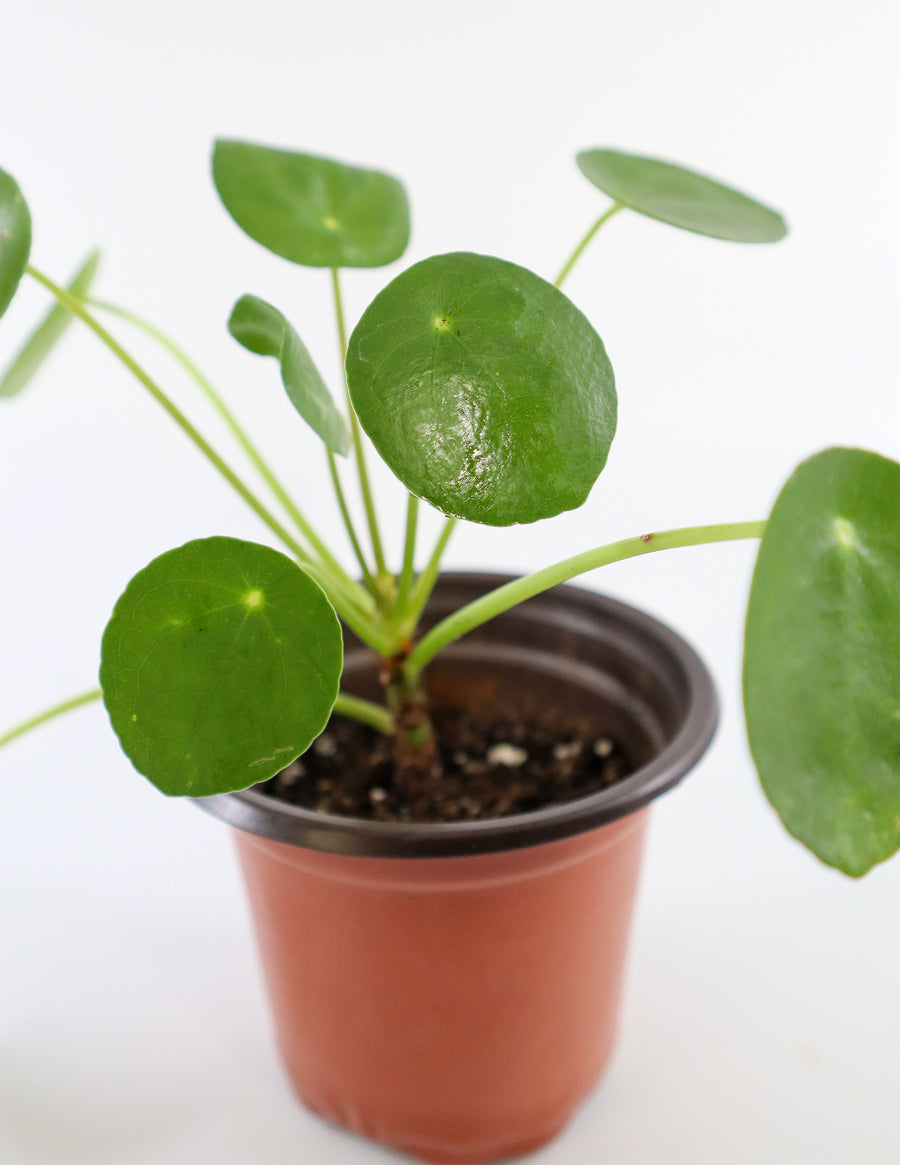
381	606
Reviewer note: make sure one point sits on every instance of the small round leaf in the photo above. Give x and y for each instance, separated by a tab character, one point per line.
220	665
15	238
262	329
313	211
484	389
681	197
822	658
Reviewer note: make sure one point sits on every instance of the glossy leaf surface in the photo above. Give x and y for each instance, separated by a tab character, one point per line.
262	329
484	389
311	210
15	238
43	339
822	658
221	664
681	197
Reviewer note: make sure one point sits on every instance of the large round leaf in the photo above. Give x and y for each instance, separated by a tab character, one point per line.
484	389
822	658
312	210
15	238
681	197
220	665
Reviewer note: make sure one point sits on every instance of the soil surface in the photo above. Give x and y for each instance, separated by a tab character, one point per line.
491	769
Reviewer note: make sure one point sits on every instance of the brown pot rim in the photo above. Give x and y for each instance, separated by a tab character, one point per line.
257	813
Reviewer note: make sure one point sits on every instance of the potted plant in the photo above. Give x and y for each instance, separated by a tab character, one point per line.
439	783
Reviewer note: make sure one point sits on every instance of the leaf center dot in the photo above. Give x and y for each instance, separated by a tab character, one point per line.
844	534
254	600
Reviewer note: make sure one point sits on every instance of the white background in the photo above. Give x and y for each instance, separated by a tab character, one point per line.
762	1020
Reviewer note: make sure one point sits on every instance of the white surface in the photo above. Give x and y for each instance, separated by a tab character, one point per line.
762	1020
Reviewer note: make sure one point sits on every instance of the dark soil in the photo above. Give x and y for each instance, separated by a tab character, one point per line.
491	769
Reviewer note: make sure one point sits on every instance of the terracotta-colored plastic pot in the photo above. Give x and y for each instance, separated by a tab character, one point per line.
453	990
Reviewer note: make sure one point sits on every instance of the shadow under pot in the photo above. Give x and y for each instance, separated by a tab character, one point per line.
453	990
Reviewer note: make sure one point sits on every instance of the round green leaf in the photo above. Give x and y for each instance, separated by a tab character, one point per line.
262	329
48	333
681	198
484	389
822	658
312	210
15	238
220	665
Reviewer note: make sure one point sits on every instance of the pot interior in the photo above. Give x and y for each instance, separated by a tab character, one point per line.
609	669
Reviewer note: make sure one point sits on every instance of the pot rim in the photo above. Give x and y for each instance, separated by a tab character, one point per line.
254	812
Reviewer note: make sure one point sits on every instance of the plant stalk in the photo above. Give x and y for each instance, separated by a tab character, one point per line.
425	583
360	622
49	714
375	715
409	557
510	594
371	630
417	763
365	711
349	527
262	467
365	488
577	253
74	305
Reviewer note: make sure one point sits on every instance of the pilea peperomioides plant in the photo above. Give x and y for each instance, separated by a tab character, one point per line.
490	396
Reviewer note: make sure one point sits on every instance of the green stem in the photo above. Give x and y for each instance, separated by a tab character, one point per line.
348	524
363	710
75	307
366	712
426	580
360	622
365	488
303	525
409	556
576	254
48	714
366	628
511	594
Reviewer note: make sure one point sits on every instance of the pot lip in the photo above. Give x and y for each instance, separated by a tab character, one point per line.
254	812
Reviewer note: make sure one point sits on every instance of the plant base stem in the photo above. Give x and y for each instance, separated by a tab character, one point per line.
417	764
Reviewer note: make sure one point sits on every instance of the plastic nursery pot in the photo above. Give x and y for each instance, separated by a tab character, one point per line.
453	990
